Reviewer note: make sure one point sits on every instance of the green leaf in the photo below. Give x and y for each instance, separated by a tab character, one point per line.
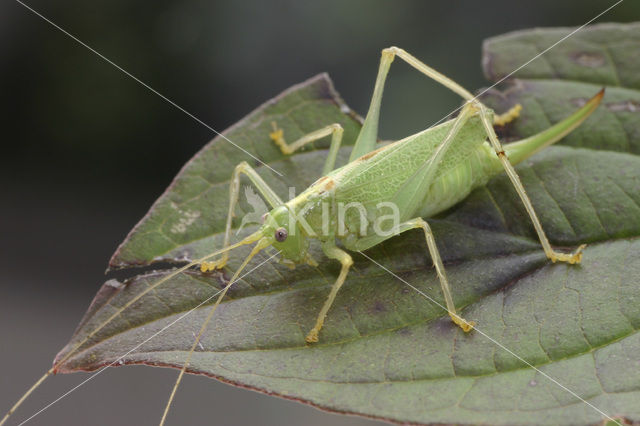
614	126
386	351
551	87
193	209
600	54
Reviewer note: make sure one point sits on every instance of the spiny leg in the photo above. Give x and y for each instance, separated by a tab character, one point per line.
510	115
335	130
499	120
571	258
368	135
343	257
419	185
367	242
234	189
428	71
437	261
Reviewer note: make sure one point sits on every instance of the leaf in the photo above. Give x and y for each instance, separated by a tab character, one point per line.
592	58
193	209
599	54
386	351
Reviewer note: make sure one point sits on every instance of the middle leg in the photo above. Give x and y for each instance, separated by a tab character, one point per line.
335	130
420	223
343	257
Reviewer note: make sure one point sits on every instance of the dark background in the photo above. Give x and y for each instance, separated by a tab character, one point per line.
86	150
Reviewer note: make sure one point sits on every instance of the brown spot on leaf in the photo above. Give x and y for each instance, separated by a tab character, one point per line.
588	59
621	106
379	307
629	106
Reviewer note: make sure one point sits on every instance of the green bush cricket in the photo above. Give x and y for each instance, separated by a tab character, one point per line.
421	175
416	178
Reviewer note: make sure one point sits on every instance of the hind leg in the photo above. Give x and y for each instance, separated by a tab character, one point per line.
552	254
419	223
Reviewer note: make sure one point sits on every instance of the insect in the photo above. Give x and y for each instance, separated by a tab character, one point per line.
415	178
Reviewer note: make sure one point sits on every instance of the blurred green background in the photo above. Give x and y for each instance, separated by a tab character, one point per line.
86	150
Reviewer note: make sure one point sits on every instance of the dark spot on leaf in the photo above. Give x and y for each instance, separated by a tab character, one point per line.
591	60
444	326
404	331
379	307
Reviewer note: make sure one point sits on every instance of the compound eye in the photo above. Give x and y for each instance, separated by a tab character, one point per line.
281	234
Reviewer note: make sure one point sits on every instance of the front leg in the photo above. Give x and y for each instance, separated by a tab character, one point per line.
234	189
343	257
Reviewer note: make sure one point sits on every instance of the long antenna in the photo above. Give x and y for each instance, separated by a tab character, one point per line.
248	240
258	247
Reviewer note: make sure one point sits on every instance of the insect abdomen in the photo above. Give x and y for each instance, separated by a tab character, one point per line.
456	183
